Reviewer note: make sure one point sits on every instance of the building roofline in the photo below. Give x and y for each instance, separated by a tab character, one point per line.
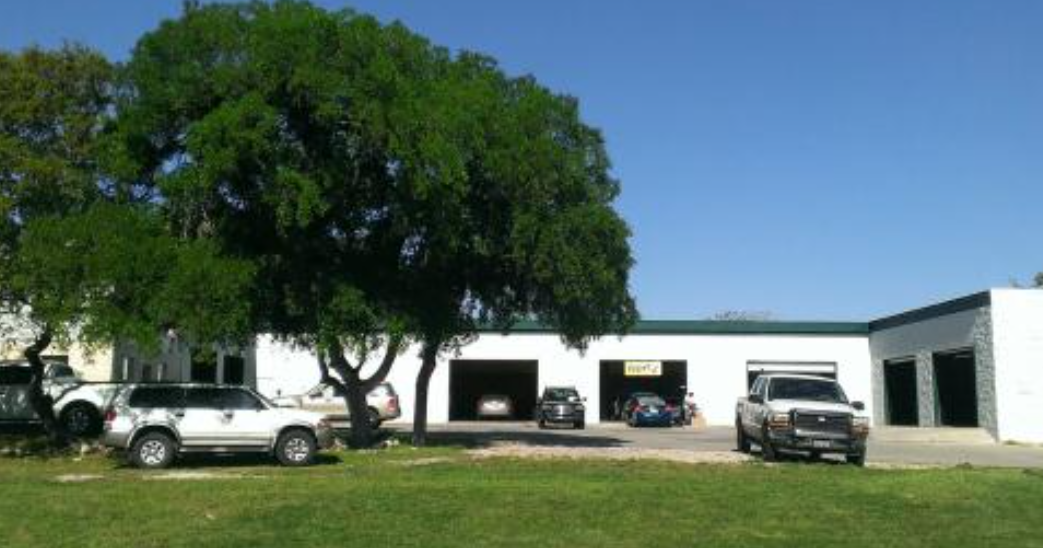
713	327
930	312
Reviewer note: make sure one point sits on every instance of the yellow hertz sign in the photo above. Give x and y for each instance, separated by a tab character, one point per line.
643	369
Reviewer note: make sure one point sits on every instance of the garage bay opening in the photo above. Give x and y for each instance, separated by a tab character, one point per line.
900	393
508	387
956	387
620	379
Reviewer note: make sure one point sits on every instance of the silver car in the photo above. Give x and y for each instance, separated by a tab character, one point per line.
154	423
382	403
495	406
76	404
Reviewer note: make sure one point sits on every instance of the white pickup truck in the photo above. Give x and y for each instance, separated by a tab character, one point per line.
801	413
77	404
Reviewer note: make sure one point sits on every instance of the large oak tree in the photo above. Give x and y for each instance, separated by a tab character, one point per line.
385	189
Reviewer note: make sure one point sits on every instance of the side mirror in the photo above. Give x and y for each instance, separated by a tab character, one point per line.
756	398
859	406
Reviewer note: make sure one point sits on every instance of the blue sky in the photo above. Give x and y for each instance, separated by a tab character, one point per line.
818	160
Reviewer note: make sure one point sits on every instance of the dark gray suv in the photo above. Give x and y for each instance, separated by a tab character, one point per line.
561	405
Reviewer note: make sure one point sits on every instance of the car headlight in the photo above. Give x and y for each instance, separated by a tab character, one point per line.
580	408
860	425
779	420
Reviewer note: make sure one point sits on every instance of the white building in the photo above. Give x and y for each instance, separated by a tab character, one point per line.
971	362
974	362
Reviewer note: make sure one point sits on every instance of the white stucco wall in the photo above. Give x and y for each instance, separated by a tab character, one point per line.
1018	353
716	365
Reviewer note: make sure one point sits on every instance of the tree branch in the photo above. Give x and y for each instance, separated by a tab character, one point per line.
393	346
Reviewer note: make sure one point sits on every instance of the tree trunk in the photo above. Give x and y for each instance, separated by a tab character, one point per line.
41	402
355	398
354	388
429	357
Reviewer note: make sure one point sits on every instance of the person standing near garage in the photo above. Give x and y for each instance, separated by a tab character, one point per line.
689	408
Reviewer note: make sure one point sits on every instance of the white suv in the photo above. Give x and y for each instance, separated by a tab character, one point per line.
156	422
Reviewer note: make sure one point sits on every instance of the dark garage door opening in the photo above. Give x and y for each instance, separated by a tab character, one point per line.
469	380
616	384
956	386
900	393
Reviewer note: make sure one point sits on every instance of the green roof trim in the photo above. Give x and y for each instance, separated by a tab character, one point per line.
711	327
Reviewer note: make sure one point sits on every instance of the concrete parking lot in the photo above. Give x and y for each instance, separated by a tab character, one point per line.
887	446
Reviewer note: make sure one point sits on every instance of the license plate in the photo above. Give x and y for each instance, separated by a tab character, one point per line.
820	444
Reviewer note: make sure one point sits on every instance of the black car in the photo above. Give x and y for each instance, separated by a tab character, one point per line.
561	405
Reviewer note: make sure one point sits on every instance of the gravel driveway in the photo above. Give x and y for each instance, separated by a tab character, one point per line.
716	444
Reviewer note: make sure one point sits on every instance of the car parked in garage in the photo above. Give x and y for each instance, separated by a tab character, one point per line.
647	409
494	406
382	403
561	405
154	423
801	413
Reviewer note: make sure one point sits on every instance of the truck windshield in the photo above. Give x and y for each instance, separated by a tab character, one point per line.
806	389
560	394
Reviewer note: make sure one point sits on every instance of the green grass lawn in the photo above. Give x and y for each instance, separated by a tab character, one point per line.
379	499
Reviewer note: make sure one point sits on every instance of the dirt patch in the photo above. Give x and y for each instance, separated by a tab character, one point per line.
427	461
512	450
78	478
195	475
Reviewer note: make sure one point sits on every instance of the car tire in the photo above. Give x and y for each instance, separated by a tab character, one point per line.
541	424
374	419
580	425
81	420
857	459
153	450
296	447
768	452
742	441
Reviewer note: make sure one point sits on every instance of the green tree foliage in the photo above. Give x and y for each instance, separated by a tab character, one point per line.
1038	280
83	256
53	108
384	188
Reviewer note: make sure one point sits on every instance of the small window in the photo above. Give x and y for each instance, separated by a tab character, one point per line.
234	370
240	399
159	396
59	370
15	374
220	398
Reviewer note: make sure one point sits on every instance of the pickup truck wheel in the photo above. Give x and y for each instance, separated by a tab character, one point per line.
742	442
295	447
580	425
768	452
541	424
857	459
81	420
153	450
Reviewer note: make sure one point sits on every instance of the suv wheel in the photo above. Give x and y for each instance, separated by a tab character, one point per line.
295	448
153	450
858	459
580	425
81	420
374	419
742	442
